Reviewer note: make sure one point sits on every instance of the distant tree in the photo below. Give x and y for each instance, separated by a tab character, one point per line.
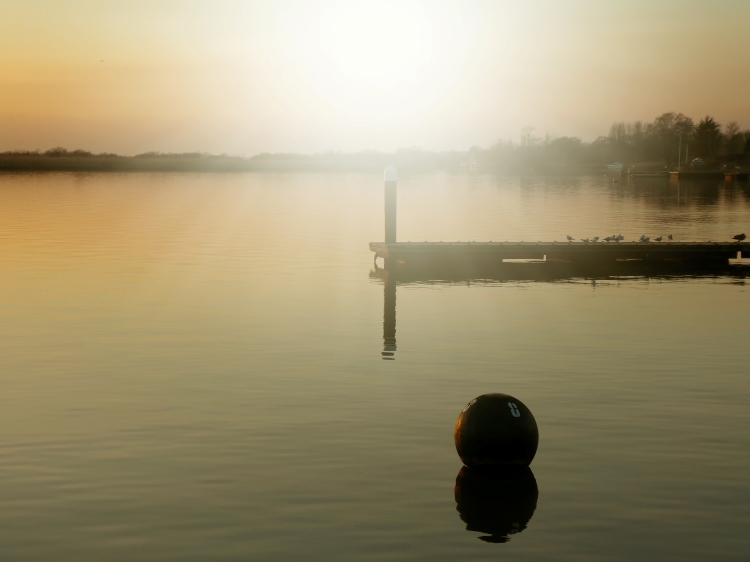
564	150
734	140
684	126
707	138
601	150
636	129
20	153
619	140
636	132
665	132
527	138
172	155
618	132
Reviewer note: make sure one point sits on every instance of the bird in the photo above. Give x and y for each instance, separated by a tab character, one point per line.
670	237
596	239
643	237
585	240
570	238
608	239
646	239
659	239
620	237
739	237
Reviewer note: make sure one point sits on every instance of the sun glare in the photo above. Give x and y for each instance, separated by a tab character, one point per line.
376	43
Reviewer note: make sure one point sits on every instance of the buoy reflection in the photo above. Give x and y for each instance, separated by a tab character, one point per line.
496	503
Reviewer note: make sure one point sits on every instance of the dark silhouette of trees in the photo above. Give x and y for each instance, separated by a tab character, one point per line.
667	141
664	135
59	151
734	139
707	138
664	142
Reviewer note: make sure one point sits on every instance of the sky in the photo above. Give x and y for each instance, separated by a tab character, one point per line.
308	76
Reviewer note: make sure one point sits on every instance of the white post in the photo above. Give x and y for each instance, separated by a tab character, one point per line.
391	178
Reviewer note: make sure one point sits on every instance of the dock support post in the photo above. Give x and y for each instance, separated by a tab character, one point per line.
391	177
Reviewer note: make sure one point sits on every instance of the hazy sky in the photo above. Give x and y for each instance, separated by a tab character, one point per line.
306	76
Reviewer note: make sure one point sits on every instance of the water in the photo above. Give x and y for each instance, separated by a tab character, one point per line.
191	370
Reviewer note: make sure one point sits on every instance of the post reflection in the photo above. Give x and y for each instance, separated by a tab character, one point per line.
389	319
497	503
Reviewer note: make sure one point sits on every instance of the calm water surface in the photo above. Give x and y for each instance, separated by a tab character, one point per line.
191	370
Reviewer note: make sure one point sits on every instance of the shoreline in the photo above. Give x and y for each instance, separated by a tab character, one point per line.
229	164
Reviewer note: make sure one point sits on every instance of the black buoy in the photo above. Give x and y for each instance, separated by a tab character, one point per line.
496	430
497	502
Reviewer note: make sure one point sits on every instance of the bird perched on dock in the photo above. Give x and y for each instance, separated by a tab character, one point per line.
570	238
646	239
658	239
739	237
620	238
642	238
586	240
670	237
608	239
596	239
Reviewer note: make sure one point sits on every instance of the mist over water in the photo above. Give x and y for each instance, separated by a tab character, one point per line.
191	369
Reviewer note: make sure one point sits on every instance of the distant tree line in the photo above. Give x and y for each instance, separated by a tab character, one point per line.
406	159
669	139
57	152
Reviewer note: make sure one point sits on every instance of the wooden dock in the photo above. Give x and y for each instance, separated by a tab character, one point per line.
600	254
400	254
710	175
698	175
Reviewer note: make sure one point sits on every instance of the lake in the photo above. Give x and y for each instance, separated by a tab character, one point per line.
191	370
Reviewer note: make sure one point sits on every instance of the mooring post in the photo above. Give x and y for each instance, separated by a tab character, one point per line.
391	177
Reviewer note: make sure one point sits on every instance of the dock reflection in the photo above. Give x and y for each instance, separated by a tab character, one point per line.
549	272
554	271
498	504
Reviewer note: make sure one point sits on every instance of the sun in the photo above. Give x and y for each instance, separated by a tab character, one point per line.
380	44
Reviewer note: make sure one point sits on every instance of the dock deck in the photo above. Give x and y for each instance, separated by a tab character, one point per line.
710	175
455	253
